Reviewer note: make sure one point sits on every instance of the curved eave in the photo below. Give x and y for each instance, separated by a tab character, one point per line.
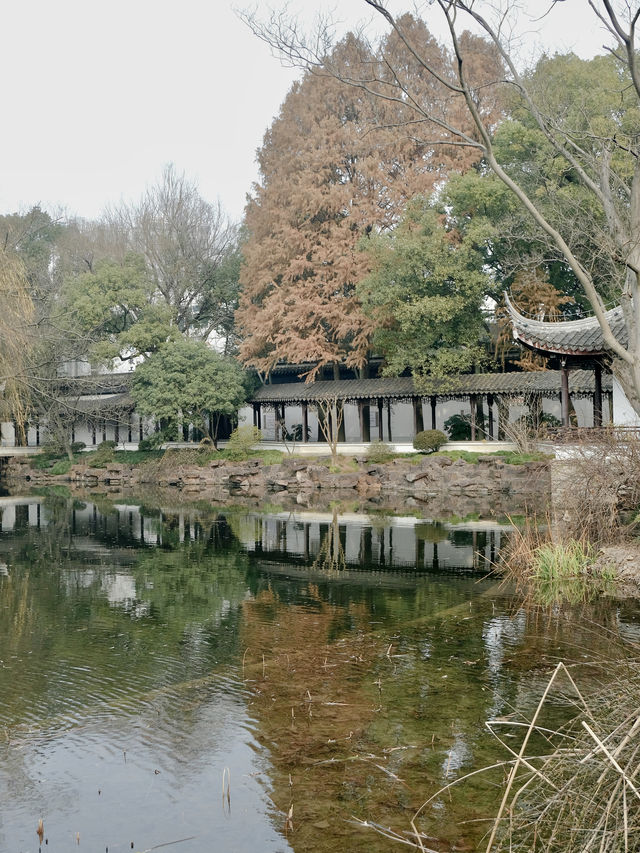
546	349
581	338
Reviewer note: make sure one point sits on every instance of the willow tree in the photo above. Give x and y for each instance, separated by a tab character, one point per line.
338	164
17	340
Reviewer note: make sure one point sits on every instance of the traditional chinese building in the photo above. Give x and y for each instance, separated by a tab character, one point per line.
576	345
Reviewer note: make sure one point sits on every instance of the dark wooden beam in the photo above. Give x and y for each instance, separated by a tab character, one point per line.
564	395
490	413
597	396
418	420
365	420
473	401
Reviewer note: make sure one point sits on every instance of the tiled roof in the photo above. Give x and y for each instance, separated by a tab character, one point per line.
546	382
568	337
95	383
96	405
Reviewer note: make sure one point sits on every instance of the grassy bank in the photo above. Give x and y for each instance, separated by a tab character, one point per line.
56	463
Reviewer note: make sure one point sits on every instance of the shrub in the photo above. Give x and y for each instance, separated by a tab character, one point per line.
242	440
429	440
458	427
62	466
378	452
153	441
103	455
78	446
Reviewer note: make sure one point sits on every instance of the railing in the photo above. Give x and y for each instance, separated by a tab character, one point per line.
591	435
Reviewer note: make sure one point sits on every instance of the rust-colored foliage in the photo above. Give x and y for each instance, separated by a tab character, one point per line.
338	163
534	297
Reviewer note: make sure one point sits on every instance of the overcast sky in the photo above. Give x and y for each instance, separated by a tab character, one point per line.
98	96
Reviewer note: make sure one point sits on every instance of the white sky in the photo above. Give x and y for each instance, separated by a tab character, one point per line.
98	97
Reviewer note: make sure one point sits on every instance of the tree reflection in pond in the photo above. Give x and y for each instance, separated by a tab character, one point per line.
349	679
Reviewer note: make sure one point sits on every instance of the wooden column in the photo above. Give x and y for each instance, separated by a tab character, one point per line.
433	412
473	401
418	420
597	396
256	415
305	423
380	428
365	420
490	413
389	437
564	395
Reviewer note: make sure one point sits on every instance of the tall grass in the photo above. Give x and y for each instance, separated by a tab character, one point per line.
547	571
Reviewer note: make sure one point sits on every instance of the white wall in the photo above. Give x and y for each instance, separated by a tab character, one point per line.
623	412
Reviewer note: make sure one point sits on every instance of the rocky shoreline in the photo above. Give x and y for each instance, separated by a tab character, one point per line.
304	481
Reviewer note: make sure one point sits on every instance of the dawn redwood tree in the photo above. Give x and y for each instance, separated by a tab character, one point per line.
337	165
600	155
185	381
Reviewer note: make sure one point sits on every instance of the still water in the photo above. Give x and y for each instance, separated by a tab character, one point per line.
198	679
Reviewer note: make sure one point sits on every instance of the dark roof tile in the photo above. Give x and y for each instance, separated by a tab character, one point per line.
546	382
567	337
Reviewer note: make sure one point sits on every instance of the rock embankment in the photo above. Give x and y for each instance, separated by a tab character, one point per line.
422	479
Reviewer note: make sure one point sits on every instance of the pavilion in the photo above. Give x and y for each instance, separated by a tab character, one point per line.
572	344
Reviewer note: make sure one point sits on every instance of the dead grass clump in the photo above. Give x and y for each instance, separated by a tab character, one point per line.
572	789
582	793
600	489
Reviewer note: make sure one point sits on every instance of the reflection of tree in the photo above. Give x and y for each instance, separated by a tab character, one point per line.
331	556
87	614
432	532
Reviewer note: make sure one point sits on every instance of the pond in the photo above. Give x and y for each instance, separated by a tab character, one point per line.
197	678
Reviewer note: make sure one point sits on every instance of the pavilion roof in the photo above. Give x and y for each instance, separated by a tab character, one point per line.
545	382
567	337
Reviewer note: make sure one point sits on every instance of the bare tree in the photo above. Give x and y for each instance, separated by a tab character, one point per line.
331	556
330	412
604	160
184	241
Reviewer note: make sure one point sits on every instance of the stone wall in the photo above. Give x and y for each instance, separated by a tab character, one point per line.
305	480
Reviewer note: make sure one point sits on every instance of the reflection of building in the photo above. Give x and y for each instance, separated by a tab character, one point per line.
384	545
388	545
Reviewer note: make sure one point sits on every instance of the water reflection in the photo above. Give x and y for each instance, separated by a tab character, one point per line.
340	665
